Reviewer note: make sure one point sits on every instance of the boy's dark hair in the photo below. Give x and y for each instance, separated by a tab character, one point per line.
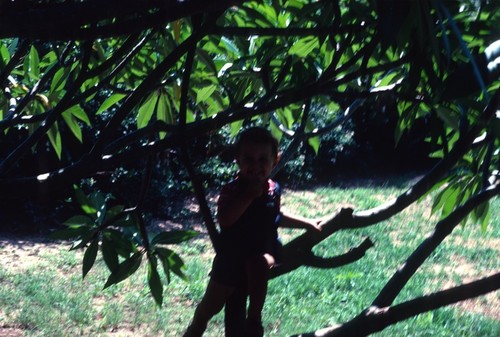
257	135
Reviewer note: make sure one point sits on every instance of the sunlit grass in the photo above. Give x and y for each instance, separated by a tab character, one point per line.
49	298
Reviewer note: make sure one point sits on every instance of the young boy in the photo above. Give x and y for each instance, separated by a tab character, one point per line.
248	212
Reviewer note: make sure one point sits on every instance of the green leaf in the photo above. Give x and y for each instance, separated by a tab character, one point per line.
4	55
231	46
164	112
154	281
173	237
73	125
236	127
285	115
114	214
55	139
205	93
304	46
97	199
448	116
78	112
314	142
34	64
89	257
451	201
206	59
109	102
146	110
122	244
59	79
79	220
109	253
171	261
482	214
69	233
124	270
84	239
86	205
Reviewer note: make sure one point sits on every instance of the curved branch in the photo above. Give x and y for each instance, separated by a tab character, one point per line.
70	20
286	32
354	254
201	198
362	219
186	160
345	218
20	52
417	258
146	183
33	92
376	319
298	138
310	260
366	218
142	90
15	155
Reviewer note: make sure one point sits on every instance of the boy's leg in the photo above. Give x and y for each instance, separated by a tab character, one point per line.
235	312
257	271
211	304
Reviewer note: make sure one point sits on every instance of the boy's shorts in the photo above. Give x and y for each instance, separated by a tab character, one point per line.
228	270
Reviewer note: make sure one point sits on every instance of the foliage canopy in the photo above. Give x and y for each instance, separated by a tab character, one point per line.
92	86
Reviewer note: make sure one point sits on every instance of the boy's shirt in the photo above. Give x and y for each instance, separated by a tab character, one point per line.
256	231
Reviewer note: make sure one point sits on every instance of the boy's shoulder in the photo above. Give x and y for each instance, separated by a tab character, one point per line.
274	187
237	184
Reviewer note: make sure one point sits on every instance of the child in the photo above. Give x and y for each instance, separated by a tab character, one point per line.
248	212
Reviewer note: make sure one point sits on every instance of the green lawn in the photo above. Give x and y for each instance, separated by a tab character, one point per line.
42	293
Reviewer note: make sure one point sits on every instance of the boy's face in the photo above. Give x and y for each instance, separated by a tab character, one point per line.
256	161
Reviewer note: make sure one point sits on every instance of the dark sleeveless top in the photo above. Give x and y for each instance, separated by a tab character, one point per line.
256	231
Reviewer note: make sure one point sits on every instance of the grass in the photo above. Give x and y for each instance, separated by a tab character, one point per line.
42	293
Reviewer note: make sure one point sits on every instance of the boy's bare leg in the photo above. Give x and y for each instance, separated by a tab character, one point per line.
235	312
211	304
257	269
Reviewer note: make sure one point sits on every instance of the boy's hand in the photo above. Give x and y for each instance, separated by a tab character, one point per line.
255	188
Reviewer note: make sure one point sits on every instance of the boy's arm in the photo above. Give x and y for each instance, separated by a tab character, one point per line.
231	208
297	221
233	202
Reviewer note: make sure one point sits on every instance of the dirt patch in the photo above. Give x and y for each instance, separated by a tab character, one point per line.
10	332
462	271
21	253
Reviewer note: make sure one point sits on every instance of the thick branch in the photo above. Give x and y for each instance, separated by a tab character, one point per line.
418	257
375	215
142	90
90	19
193	130
201	198
345	218
303	258
375	319
288	31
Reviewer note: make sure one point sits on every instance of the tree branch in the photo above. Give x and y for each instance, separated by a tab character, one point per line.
418	257
286	32
90	19
374	319
307	258
15	155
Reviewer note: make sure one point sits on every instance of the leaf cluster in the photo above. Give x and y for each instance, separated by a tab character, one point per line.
109	88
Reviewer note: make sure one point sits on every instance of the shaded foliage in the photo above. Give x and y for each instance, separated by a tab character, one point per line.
120	97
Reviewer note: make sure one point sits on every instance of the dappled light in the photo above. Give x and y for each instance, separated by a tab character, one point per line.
118	122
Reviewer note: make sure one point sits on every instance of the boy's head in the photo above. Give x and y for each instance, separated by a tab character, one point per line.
256	153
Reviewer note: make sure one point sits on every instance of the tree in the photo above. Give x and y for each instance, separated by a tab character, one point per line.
131	79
